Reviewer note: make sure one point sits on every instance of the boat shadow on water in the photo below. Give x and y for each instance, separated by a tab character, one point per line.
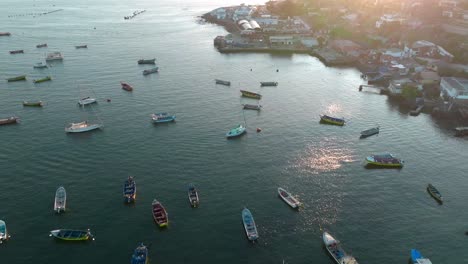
377	167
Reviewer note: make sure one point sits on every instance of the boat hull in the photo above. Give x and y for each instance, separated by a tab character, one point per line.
9	121
160	215
43	80
288	199
87	101
16	79
251	94
151	61
227	83
129	190
36	104
3	231
140	255
370	132
249	225
88	127
193	196
332	120
71	235
391	162
434	193
60	202
236	132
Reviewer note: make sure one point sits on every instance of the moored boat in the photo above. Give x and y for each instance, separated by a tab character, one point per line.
193	196
417	258
370	132
129	190
461	131
288	198
72	235
53	56
152	70
162	118
81	127
3	232
334	248
40	65
16	51
43	45
235	132
33	103
9	120
60	202
332	120
252	107
86	101
17	78
218	81
140	255
81	47
249	225
269	83
45	79
384	160
148	61
160	215
2	34
434	193
126	86
251	94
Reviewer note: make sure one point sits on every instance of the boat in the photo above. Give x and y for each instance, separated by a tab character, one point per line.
235	132
81	47
86	101
43	45
162	118
461	131
152	70
417	258
150	61
251	94
5	34
60	202
126	86
140	255
45	79
384	160
40	65
17	78
129	190
227	83
54	56
9	120
249	225
72	235
193	196
16	51
3	232
159	214
333	247
332	120
252	107
288	198
434	193
370	132
268	83
33	103
81	127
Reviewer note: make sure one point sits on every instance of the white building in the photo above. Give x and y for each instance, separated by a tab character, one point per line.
243	12
267	20
281	40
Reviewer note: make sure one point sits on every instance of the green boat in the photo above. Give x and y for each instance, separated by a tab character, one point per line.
72	235
45	79
33	103
17	78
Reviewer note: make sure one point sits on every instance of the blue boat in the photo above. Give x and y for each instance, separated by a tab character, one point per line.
129	190
162	118
417	258
249	225
235	132
140	255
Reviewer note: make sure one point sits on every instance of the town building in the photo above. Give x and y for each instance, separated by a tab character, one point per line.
455	89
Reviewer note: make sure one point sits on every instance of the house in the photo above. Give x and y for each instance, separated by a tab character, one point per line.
428	77
424	48
309	42
281	41
455	89
267	20
219	13
395	87
346	47
243	12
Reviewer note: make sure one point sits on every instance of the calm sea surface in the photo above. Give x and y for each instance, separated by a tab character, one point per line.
378	215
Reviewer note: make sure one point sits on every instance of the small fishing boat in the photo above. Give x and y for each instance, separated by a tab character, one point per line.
140	255
40	65
252	107
81	47
152	70
235	132
71	235
60	202
384	160
461	131
149	61
2	34
193	196
268	83
17	78
160	215
288	198
249	225
126	86
251	94
81	127
417	258
16	51
227	83
336	251
434	193
9	120
45	79
3	232
86	101
54	56
162	118
129	190
43	45
332	120
33	103
370	132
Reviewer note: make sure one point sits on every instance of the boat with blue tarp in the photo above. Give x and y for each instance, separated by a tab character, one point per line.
129	190
3	232
249	225
417	258
140	255
384	160
162	118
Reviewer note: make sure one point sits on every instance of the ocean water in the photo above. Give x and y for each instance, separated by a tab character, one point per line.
378	215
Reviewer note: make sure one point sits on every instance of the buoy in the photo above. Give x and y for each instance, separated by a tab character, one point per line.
108	100
259	130
277	70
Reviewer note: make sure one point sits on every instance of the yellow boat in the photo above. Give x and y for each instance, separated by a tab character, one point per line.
384	160
332	120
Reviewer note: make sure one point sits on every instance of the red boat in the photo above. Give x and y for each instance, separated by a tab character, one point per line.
159	214
126	86
9	120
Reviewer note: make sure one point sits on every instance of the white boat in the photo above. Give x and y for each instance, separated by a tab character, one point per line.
40	65
60	200
288	198
249	225
334	248
87	101
3	232
81	127
54	56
